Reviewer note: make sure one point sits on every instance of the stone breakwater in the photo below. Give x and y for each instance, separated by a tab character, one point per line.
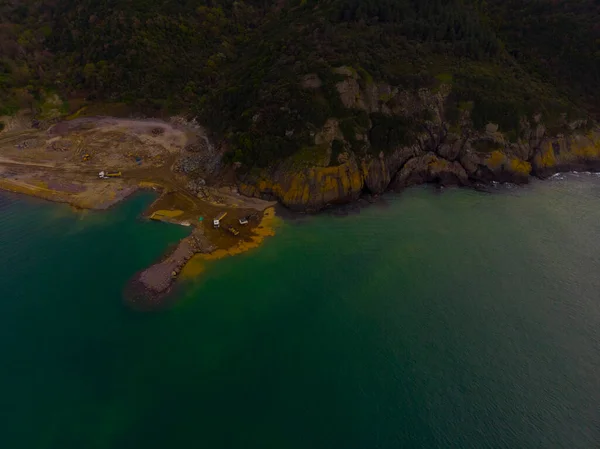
149	287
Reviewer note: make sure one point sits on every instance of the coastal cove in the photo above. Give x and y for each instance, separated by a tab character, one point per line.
429	319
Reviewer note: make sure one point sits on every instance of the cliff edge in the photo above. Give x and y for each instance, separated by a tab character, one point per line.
403	138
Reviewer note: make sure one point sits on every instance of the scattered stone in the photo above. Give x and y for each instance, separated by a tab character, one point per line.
196	185
60	145
28	143
195	147
189	164
199	158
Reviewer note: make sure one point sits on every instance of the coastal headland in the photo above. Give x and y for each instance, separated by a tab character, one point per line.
63	163
93	162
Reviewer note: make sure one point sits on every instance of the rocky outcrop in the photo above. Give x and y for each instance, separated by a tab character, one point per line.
149	288
377	175
578	152
459	163
309	189
496	166
379	172
430	168
442	151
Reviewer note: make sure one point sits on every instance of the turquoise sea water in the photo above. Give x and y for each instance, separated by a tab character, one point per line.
458	320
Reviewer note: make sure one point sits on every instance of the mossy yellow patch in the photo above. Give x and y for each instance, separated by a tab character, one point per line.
77	114
587	147
148	185
438	164
194	267
197	264
317	155
520	166
28	189
546	158
496	159
323	183
157	215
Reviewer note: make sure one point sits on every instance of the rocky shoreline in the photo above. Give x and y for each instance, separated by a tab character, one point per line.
148	288
152	287
61	164
442	145
302	191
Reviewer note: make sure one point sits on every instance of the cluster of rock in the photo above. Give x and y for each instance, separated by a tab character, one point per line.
27	143
441	153
199	160
150	287
196	185
60	145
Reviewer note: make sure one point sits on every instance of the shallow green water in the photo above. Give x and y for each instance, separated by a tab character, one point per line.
458	320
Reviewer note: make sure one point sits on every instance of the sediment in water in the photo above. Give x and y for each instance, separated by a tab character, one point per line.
151	287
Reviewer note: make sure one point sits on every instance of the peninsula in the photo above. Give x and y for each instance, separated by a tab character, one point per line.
232	106
95	162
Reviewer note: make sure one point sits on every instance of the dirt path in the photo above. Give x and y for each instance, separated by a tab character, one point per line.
13	162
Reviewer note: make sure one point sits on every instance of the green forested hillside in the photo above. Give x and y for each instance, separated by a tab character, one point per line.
238	65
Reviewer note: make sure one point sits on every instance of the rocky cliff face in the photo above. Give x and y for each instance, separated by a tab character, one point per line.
441	151
567	153
310	189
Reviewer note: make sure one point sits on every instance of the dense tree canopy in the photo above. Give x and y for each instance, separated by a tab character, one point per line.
238	64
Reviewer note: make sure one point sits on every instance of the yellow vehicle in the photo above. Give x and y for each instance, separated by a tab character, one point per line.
232	230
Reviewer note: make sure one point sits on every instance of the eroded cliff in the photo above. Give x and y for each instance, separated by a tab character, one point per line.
427	142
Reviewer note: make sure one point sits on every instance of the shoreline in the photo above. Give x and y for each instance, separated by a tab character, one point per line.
152	287
56	196
65	162
176	159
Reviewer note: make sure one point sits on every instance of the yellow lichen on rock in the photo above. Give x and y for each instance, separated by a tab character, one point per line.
546	158
587	147
496	159
313	187
568	150
519	166
438	164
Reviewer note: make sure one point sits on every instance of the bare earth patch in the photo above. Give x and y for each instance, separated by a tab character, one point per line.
62	164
